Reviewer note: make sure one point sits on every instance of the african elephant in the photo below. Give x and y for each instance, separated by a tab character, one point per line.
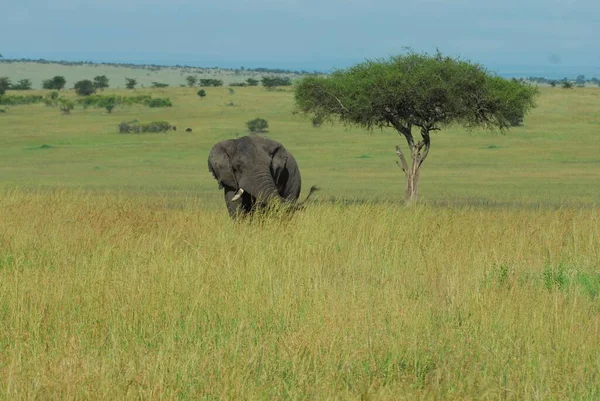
254	171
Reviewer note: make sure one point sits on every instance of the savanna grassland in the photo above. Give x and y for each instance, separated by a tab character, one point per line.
122	276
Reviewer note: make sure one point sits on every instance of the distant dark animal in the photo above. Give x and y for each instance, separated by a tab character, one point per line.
174	128
254	171
188	130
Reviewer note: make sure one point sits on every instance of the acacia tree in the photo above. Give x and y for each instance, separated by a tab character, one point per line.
415	92
130	83
191	80
101	82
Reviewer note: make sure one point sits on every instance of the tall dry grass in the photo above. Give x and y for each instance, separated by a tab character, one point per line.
125	297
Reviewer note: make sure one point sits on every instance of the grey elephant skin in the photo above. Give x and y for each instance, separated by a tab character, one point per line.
253	171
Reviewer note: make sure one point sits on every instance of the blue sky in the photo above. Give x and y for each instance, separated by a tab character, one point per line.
303	34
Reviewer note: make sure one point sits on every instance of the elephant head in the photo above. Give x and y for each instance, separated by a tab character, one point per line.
253	171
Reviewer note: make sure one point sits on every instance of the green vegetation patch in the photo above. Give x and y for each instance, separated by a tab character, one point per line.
153	127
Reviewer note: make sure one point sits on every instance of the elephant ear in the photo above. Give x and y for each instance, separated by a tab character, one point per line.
278	162
219	163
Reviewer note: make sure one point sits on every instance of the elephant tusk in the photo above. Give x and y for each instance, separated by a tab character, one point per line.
238	195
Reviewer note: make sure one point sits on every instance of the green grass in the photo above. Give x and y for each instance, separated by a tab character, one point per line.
122	277
552	159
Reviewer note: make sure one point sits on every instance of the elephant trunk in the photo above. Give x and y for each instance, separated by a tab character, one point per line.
261	186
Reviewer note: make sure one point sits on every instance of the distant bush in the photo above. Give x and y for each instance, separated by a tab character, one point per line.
22	85
85	87
130	83
231	91
57	83
272	82
210	82
159	85
191	80
66	106
201	93
135	128
53	95
113	101
252	82
5	84
567	85
100	82
238	84
159	102
9	100
109	103
257	125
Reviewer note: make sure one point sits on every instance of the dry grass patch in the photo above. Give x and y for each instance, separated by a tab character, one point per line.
128	297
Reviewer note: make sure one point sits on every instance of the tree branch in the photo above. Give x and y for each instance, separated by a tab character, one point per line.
403	165
425	143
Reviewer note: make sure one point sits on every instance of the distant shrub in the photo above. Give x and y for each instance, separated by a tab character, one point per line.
53	95
191	80
100	82
210	82
238	84
201	93
58	82
272	82
567	85
231	91
8	100
5	84
159	102
66	106
159	85
252	82
257	125
130	83
22	85
109	103
153	127
85	87
113	101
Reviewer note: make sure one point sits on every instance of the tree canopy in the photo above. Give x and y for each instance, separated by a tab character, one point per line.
130	83
415	91
58	82
84	87
101	82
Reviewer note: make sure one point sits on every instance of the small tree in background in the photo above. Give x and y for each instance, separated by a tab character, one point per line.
56	83
257	125
109	103
567	85
100	82
553	83
201	93
415	92
159	85
5	84
84	87
22	85
130	83
65	106
272	82
191	80
252	82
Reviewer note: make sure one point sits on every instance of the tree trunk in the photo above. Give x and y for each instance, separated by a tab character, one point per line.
418	153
